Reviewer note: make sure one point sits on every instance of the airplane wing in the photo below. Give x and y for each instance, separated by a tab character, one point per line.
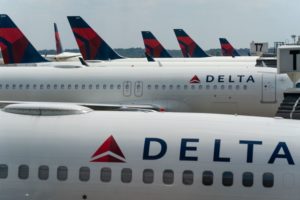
94	106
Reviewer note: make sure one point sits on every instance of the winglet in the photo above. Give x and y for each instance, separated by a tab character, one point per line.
15	47
153	47
59	48
149	58
188	46
227	48
91	45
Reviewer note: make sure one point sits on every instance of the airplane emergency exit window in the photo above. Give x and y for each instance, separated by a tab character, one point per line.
126	175
227	179
268	179
168	177
62	173
23	172
207	178
43	172
187	177
105	174
3	171
84	173
148	176
247	179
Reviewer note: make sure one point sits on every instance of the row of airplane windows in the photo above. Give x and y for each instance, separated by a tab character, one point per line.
118	86
148	176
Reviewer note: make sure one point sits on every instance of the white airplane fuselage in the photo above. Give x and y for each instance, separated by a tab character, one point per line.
240	90
164	156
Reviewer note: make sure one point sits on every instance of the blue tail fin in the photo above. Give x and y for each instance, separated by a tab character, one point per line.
227	48
153	47
188	46
91	45
15	47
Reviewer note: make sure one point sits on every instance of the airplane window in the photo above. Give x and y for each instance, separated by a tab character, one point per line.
156	87
83	86
119	86
7	86
222	87
90	86
215	87
187	177
3	171
207	87
76	86
69	86
245	87
237	87
55	86
98	86
14	86
192	87
170	87
34	86
111	86
148	176
207	178
163	87
229	87
168	177
227	179
247	179
62	86
105	175
27	86
84	173
200	87
178	87
104	86
41	86
149	87
43	172
20	86
126	175
48	86
185	87
268	179
62	173
23	172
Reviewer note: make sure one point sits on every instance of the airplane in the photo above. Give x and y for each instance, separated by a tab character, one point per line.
146	155
188	46
17	49
60	54
227	48
246	91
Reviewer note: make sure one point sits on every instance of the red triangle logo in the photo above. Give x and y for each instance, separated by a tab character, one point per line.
195	79
109	146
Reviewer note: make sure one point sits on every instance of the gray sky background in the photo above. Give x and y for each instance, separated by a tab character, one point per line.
119	22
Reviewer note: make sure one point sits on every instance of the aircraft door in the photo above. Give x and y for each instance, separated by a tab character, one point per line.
127	88
268	88
138	88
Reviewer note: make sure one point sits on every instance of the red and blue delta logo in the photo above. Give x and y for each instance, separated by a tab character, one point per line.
109	151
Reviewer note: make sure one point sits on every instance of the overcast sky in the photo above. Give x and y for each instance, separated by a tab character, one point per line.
119	22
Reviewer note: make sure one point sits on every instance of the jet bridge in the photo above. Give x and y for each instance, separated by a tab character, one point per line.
289	63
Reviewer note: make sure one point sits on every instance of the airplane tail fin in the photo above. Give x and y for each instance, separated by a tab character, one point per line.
91	45
15	47
153	47
59	48
188	46
227	48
